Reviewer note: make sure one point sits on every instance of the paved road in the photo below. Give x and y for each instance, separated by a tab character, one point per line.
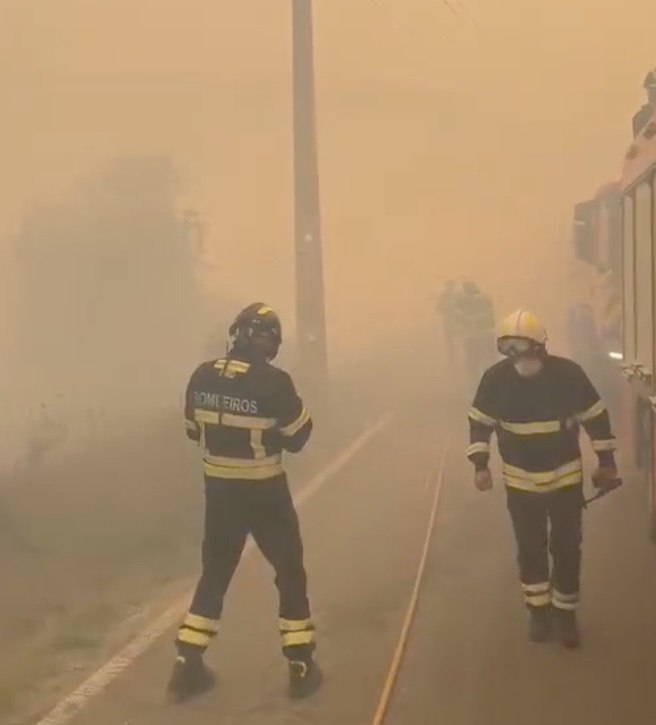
363	534
468	661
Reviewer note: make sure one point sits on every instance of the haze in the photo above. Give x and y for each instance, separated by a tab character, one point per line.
452	144
473	140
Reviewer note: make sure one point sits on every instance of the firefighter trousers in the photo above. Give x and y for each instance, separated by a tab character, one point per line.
233	510
546	523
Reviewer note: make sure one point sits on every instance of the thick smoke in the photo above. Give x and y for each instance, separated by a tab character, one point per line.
109	314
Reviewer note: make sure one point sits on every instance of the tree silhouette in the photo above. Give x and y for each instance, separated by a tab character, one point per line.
104	286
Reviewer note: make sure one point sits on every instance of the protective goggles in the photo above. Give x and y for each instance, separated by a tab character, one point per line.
516	346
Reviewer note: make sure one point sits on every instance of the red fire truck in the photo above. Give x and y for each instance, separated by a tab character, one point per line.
595	319
638	301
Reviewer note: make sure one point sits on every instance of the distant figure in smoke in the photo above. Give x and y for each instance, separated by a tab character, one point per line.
446	309
644	115
474	321
46	435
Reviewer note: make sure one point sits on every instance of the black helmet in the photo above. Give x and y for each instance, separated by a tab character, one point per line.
650	79
469	288
257	331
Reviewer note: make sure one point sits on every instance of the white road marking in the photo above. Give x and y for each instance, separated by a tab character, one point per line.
102	678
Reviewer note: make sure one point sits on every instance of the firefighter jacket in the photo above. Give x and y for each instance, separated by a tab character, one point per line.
537	424
474	315
244	415
641	118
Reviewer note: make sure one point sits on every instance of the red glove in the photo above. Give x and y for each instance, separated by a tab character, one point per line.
605	476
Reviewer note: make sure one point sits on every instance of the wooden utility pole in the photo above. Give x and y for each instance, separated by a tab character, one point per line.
310	295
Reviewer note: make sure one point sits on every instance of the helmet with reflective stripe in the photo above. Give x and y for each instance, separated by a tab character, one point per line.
521	333
257	328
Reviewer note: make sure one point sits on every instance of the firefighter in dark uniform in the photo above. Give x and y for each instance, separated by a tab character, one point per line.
644	115
446	309
244	412
535	402
474	316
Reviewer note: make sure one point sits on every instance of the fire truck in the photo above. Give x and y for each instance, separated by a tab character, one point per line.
595	314
637	198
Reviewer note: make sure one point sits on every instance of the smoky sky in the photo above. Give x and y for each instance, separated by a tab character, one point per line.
451	143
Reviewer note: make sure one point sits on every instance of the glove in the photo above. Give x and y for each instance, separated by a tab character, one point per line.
604	477
483	480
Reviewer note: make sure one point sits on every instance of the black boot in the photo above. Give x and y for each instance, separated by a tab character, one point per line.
305	678
567	628
539	628
190	677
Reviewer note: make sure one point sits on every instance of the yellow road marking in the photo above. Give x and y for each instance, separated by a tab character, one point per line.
395	665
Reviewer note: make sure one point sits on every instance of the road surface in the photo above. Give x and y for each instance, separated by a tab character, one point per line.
467	661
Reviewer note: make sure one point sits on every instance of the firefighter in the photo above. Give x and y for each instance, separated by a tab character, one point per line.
644	115
535	402
244	412
446	309
474	317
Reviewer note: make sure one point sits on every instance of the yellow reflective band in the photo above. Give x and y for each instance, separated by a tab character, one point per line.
247	421
243	468
480	417
198	622
477	448
259	452
543	477
231	420
237	366
190	636
597	409
263	310
537	595
568	475
206	416
293	639
295	426
294	625
535	428
538	600
605	445
231	462
567	602
539	588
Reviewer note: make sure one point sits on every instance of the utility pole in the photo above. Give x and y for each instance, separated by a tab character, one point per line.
310	295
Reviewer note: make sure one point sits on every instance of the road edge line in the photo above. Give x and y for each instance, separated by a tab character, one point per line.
100	680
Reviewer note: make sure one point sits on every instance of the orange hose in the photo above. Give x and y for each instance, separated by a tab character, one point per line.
395	666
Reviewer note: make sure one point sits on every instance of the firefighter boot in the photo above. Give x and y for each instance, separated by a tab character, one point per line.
305	678
190	678
567	628
539	628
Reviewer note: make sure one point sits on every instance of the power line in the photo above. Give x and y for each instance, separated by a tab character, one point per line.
389	14
461	4
419	43
395	19
448	5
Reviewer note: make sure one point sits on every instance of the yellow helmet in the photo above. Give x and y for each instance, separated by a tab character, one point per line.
521	332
